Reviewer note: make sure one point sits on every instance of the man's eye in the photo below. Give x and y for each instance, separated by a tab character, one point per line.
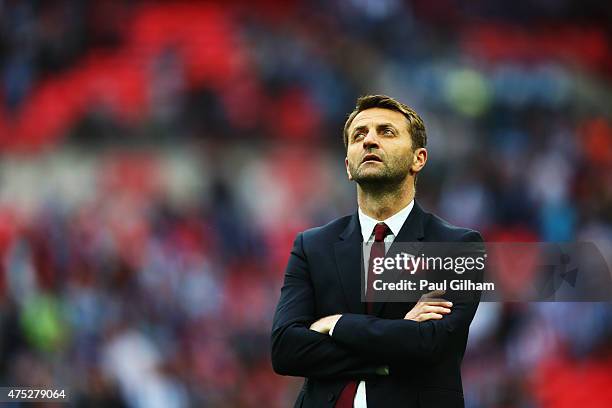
358	135
388	132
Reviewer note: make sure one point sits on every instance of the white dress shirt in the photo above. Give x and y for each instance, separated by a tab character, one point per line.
395	223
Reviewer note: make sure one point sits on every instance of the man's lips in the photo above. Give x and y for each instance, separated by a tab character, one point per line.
371	157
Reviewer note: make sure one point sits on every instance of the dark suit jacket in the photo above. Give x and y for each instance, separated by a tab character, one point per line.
323	278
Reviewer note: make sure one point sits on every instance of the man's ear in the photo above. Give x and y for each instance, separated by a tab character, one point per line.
419	158
348	172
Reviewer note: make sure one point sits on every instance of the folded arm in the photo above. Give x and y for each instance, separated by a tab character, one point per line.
404	340
299	351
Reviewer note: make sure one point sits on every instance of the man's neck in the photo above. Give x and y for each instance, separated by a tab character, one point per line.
382	204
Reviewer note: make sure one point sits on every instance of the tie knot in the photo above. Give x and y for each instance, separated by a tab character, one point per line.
381	230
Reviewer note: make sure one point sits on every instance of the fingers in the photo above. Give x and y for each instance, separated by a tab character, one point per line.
444	303
429	316
430	307
436	309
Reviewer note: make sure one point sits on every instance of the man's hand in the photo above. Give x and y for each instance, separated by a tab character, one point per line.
429	307
324	324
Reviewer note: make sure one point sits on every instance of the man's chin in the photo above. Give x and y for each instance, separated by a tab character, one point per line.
369	178
377	178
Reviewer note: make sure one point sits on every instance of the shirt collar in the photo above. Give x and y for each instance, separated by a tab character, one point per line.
395	222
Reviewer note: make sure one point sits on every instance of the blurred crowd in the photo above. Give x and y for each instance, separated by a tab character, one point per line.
158	159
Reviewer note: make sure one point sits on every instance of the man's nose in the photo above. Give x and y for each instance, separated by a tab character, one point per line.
370	140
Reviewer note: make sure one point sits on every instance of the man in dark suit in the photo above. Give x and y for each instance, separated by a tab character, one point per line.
365	354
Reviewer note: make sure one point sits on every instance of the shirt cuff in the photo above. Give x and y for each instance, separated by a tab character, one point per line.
331	330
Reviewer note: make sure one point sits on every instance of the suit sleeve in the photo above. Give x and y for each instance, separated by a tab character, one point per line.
407	341
299	351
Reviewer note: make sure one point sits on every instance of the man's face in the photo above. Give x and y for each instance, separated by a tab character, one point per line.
379	148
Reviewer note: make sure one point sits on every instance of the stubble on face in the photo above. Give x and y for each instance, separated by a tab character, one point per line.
391	172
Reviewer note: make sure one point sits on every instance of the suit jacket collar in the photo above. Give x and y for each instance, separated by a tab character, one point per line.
349	256
412	229
395	222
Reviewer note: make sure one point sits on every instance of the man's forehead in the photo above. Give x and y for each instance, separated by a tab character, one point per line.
376	116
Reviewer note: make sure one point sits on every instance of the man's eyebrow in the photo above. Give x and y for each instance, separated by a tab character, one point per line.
386	125
362	127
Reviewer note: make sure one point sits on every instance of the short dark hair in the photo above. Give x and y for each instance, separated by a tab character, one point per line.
416	127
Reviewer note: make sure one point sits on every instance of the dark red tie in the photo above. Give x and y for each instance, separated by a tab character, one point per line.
347	396
381	230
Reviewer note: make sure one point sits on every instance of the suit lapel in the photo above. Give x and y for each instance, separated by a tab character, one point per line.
350	264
